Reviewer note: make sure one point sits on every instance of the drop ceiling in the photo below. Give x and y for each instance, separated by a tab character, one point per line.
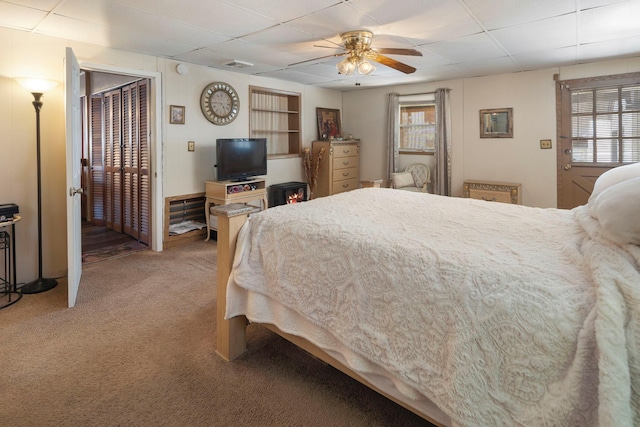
457	38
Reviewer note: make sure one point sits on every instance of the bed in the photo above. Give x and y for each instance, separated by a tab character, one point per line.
464	311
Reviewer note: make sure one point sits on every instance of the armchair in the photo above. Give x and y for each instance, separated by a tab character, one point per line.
414	178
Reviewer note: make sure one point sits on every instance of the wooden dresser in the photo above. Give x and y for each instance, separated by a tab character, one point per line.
338	168
504	192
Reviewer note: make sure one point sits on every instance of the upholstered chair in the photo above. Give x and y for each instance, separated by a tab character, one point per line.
414	178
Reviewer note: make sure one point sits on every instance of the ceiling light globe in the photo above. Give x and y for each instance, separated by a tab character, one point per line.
346	67
365	67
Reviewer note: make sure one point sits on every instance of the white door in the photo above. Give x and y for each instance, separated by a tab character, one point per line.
74	170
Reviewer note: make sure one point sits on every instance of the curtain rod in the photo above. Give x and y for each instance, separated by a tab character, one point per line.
414	94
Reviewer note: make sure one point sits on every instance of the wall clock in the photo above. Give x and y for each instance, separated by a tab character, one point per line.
220	103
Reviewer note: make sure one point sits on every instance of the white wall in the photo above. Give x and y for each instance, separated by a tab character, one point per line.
364	116
185	171
182	172
518	159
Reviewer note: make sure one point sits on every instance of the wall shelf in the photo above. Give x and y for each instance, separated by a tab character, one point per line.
275	113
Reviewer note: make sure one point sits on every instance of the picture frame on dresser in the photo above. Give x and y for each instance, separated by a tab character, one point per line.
496	123
329	126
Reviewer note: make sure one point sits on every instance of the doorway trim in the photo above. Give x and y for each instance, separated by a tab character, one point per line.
155	141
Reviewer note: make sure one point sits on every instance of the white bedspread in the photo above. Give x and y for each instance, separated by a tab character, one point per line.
499	314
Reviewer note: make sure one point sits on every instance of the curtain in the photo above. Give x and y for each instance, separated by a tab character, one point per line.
392	134
442	173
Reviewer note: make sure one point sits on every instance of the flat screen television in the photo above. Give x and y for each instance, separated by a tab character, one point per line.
240	159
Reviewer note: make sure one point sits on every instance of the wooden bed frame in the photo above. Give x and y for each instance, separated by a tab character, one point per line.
231	334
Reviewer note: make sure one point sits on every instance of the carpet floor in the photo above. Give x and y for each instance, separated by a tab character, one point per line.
138	349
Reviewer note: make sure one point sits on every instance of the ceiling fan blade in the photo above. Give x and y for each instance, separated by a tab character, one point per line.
397	51
385	60
328	47
315	59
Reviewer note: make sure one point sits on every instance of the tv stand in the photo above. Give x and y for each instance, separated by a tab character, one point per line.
227	192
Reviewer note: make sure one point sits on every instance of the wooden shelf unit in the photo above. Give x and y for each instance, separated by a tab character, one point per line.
222	193
188	207
275	115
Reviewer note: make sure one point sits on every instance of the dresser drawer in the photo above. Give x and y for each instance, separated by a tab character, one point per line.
345	162
341	186
490	196
343	174
346	150
504	192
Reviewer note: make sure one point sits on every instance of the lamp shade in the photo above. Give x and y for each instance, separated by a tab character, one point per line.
346	67
36	85
365	67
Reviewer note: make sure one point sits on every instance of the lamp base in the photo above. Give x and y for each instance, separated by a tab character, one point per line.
39	285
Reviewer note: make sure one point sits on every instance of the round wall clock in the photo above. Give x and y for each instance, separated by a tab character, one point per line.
220	103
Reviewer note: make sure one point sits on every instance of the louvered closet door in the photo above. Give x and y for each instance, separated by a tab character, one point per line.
130	191
144	163
113	160
135	160
96	162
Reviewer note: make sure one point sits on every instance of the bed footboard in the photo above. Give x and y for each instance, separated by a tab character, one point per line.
231	334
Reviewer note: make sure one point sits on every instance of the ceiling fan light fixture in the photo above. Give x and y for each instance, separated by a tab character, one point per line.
365	67
346	67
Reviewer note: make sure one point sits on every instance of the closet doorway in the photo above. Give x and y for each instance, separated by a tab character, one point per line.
116	201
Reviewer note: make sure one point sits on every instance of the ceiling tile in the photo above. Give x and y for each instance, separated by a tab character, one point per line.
489	66
609	22
419	21
220	16
458	38
469	48
610	49
548	58
495	14
551	33
329	23
22	18
284	10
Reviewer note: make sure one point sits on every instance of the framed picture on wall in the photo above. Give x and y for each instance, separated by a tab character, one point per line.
328	123
496	123
176	114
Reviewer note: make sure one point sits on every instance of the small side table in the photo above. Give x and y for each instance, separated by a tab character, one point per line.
371	183
9	294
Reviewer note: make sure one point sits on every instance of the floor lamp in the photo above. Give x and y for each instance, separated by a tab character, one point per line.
37	87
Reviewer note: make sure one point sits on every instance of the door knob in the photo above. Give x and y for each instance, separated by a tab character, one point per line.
74	191
567	167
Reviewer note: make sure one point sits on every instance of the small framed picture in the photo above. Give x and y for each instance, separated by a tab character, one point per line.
496	123
328	123
176	114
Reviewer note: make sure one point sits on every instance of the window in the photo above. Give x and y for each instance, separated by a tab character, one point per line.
417	127
605	124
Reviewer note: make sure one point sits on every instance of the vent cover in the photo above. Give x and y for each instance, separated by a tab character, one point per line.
238	64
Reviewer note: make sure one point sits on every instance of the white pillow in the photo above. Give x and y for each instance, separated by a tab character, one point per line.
402	179
613	177
618	210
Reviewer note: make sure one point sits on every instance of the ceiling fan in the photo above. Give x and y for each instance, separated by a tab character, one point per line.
357	48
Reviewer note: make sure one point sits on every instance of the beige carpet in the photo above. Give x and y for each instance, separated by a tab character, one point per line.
138	350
